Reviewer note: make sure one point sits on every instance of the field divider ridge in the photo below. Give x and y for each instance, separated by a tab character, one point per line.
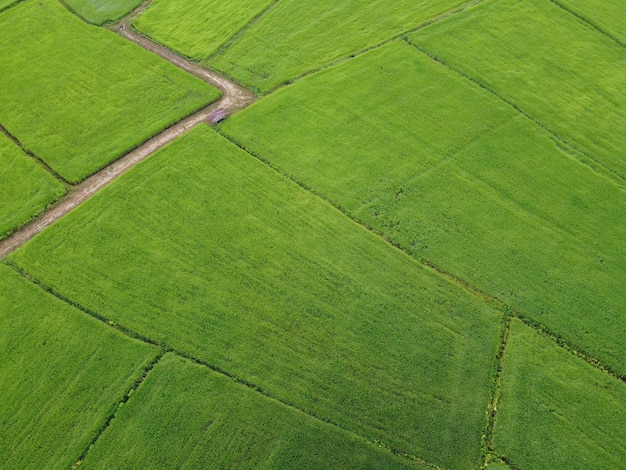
38	159
164	348
123	400
470	288
11	5
442	16
589	23
606	172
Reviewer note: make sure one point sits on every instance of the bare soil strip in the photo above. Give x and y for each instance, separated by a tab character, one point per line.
234	98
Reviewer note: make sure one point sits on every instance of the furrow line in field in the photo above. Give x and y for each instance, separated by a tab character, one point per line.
466	285
8	7
595	165
453	11
216	369
492	407
39	160
589	22
235	37
124	399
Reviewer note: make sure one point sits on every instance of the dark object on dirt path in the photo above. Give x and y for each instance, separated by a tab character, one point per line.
218	115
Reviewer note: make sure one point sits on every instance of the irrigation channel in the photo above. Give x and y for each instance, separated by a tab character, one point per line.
234	98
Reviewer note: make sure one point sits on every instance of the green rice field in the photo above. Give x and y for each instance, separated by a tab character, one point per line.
197	29
395	239
279	289
102	11
557	411
62	374
25	187
201	416
483	205
93	95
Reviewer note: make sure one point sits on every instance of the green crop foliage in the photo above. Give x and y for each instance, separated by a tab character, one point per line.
204	248
548	62
102	11
295	37
608	15
186	416
80	96
557	411
458	178
62	374
197	29
25	187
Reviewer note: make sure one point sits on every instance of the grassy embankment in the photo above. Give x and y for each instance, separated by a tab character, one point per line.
291	39
79	96
25	187
543	59
63	374
460	179
200	416
100	12
207	250
197	29
557	411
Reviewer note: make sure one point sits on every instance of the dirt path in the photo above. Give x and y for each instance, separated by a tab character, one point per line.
234	98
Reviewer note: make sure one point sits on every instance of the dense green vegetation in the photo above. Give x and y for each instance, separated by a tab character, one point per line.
557	411
206	249
458	178
555	67
6	4
295	36
185	416
25	187
608	15
62	374
79	96
102	11
197	29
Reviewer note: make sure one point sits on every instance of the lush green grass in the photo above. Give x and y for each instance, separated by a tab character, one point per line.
6	3
197	29
62	374
459	178
25	187
547	61
80	96
608	15
102	11
556	411
186	416
208	250
296	37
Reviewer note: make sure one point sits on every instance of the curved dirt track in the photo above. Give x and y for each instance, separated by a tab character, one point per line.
234	98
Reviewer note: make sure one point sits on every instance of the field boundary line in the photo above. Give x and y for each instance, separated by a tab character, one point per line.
237	35
32	155
124	399
433	267
359	52
589	22
606	172
11	5
164	348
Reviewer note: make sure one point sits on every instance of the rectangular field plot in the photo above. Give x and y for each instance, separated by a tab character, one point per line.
208	250
197	29
295	37
549	63
556	410
460	179
80	96
25	187
100	12
62	374
186	416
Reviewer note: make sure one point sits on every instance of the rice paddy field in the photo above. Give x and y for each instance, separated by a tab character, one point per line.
408	252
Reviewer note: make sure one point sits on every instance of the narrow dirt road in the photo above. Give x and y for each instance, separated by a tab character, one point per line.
234	98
